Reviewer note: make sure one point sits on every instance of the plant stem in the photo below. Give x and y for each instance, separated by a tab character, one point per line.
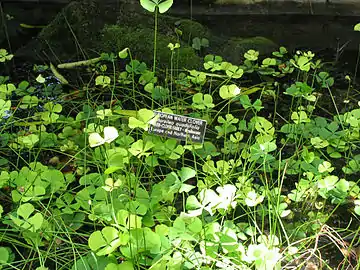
357	64
155	37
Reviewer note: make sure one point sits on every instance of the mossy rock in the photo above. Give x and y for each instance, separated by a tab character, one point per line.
191	29
235	48
69	35
84	29
114	38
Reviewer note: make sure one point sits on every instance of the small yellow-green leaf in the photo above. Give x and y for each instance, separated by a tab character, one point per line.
357	27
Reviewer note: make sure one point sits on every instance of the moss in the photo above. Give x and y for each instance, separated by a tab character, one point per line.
191	29
235	48
70	35
141	42
78	32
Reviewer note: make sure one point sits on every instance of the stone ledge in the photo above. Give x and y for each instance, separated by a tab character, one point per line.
271	8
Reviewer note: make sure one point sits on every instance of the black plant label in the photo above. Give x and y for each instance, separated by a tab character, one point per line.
177	126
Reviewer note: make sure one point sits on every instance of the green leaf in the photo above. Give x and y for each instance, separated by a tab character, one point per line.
122	266
4	255
192	203
104	242
328	182
29	102
110	134
195	225
54	108
160	93
325	167
5	56
245	101
252	198
165	5
186	173
143	117
55	178
4	107
139	148
251	55
29	141
40	79
149	5
24	220
234	72
196	43
104	81
317	142
92	262
95	140
229	91
357	27
202	102
123	53
300	117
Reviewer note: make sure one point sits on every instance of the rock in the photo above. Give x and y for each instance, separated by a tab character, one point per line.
83	29
141	43
69	35
235	48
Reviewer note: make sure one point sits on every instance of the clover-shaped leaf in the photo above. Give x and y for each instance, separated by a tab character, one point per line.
227	194
234	72
28	141
4	107
229	91
252	198
151	5
212	62
328	182
302	62
317	142
26	220
263	126
54	108
104	81
103	113
139	148
55	178
5	56
201	101
104	242
40	79
269	62
325	167
300	117
168	150
29	102
110	134
142	120
251	55
6	90
128	220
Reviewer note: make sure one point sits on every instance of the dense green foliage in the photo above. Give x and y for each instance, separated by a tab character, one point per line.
84	185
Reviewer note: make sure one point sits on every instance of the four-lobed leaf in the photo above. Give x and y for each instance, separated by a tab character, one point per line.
152	5
110	134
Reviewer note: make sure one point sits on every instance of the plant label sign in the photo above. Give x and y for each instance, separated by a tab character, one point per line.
178	127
